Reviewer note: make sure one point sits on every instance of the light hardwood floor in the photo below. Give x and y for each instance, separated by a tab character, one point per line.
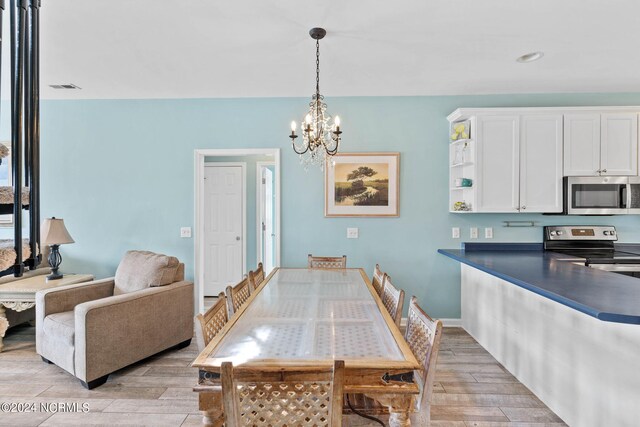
471	390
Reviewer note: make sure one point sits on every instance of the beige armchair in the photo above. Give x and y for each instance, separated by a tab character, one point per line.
93	329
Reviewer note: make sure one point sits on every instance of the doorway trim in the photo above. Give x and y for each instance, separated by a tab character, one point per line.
260	207
243	168
199	165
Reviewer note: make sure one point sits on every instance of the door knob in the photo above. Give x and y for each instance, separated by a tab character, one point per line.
237	237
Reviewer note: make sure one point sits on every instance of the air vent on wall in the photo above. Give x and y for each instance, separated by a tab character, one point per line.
65	86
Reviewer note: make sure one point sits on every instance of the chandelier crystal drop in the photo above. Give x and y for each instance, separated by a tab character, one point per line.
320	132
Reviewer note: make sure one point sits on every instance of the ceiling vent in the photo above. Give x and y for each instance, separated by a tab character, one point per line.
66	86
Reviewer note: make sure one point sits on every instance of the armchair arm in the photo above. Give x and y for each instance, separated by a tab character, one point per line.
65	298
114	332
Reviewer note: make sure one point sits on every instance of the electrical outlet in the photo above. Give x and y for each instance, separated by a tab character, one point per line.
185	231
455	232
473	232
352	233
488	233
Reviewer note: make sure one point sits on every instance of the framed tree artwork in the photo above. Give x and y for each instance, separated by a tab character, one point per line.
362	184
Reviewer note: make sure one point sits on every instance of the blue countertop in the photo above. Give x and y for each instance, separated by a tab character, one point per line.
604	295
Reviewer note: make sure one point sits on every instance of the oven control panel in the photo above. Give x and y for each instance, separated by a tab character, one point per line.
580	232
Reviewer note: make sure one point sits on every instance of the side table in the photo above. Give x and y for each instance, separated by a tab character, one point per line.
20	294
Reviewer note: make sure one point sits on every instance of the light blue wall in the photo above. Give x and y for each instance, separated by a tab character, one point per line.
250	201
120	172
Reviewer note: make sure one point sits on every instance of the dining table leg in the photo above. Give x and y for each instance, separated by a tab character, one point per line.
400	407
211	407
212	419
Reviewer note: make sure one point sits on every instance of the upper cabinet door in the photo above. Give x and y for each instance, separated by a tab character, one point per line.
619	144
541	163
497	168
581	144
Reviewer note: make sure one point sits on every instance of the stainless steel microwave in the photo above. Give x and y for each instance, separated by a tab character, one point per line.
601	195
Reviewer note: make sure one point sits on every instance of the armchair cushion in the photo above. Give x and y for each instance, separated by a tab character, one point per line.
143	269
60	326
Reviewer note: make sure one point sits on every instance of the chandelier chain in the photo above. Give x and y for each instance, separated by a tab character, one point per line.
318	68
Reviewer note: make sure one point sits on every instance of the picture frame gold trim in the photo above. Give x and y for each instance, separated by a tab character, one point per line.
392	210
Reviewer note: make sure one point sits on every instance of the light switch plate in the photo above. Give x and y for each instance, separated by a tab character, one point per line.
352	233
473	232
185	231
488	233
455	232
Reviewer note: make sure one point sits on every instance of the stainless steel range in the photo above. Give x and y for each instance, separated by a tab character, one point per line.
594	245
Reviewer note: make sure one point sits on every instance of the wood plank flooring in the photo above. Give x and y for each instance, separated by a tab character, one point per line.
471	390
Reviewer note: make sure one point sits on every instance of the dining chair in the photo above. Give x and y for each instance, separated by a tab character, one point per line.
326	261
423	336
255	398
256	277
378	279
393	300
212	321
237	295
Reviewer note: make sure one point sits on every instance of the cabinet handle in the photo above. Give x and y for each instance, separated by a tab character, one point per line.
599	171
604	170
523	208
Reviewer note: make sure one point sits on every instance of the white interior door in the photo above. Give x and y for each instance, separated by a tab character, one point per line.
223	227
269	232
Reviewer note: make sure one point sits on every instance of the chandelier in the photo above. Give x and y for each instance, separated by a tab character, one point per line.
320	137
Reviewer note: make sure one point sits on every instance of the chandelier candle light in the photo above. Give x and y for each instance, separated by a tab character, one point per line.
320	137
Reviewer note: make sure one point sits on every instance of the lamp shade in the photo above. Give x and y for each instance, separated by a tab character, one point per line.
54	232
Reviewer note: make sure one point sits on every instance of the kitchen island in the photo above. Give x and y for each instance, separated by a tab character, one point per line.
568	332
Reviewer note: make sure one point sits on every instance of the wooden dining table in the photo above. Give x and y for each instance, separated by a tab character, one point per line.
300	319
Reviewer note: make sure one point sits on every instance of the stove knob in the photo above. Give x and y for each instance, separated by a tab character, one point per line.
552	233
612	233
560	232
606	233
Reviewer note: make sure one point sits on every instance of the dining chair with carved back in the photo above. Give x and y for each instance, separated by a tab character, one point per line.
312	398
423	335
237	295
393	300
211	322
378	279
326	261
256	277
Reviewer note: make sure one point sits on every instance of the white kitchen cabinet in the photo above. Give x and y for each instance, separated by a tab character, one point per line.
619	144
497	163
519	163
518	156
541	163
581	144
600	144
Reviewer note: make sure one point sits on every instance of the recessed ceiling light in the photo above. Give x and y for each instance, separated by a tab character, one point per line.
530	57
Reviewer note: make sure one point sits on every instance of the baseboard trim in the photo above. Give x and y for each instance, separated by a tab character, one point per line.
447	323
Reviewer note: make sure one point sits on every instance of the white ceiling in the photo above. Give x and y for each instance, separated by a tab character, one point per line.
261	48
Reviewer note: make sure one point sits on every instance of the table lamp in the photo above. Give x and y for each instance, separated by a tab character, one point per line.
54	234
